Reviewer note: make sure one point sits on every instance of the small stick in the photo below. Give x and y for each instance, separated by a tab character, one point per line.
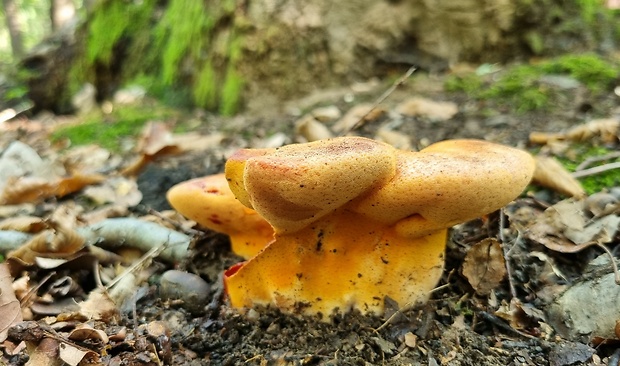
594	159
511	285
596	170
380	100
613	262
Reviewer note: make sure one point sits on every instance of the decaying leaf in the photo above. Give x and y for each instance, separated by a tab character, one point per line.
155	141
397	139
308	129
98	306
26	224
58	241
353	116
607	129
551	174
484	266
72	355
433	110
520	316
568	228
10	310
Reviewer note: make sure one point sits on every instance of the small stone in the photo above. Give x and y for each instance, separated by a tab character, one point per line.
188	287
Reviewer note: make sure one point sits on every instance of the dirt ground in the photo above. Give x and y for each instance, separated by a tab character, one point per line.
457	326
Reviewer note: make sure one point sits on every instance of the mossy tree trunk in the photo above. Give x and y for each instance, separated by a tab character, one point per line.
223	54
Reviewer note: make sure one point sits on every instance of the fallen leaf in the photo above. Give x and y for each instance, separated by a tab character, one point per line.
484	266
551	174
607	129
73	355
308	129
10	309
353	116
433	110
397	139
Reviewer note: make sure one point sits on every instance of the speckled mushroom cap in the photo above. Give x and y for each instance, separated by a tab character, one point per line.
447	183
295	185
210	202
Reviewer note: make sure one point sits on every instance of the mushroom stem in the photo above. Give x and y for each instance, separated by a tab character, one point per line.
342	261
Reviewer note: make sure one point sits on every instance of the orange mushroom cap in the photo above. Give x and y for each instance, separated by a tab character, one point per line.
357	220
210	202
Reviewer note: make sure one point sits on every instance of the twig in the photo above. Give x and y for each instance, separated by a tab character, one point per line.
596	159
596	170
145	258
511	285
613	262
379	100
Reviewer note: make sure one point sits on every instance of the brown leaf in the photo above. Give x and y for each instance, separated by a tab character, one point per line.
56	242
10	310
26	224
433	110
25	189
484	266
551	174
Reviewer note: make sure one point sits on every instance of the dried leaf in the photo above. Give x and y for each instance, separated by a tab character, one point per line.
484	266
46	353
433	110
75	183
397	139
355	114
309	129
98	306
26	189
56	242
566	228
73	355
551	174
155	141
10	310
607	129
26	224
87	333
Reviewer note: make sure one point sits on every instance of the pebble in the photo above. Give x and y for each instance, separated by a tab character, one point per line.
188	287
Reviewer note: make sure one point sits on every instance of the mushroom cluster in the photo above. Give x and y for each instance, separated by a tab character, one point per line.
357	220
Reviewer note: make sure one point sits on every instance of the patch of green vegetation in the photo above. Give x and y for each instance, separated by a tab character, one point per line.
520	88
107	130
598	182
113	20
590	69
185	31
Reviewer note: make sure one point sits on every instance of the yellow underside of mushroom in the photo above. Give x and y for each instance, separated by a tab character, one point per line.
343	261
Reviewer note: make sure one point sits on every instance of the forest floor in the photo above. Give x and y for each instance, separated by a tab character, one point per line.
510	320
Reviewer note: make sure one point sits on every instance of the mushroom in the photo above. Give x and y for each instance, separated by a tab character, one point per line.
210	202
357	220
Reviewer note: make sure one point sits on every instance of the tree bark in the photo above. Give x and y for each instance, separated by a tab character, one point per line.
14	27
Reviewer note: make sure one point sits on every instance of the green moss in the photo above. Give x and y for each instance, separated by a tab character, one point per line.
519	88
205	87
113	20
106	130
590	69
183	31
598	182
231	92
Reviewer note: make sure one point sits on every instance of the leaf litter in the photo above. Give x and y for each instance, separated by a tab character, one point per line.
86	299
